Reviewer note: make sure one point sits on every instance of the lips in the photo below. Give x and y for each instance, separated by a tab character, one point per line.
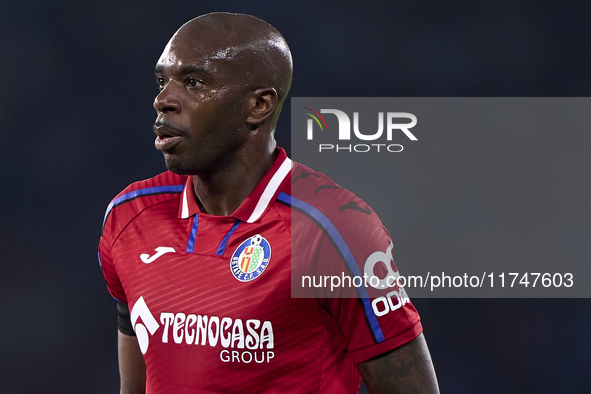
165	143
167	136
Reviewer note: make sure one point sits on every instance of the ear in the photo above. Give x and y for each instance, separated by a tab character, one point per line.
261	105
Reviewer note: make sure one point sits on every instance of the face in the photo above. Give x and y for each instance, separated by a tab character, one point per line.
201	120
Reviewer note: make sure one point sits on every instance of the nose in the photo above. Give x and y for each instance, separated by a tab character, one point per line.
168	99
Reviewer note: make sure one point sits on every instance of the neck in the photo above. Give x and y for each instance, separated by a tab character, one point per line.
221	192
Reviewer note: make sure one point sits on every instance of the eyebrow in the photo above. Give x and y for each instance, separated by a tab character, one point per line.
185	69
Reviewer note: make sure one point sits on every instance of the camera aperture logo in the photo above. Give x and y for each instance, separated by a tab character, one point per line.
395	122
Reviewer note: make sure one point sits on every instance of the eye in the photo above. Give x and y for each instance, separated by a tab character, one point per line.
194	82
160	83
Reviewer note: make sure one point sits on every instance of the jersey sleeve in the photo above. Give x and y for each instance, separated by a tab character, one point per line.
106	260
341	246
374	315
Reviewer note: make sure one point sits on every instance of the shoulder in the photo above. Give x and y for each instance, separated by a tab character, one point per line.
139	196
317	196
330	223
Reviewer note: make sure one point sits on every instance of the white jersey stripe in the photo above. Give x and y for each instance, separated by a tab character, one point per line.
270	190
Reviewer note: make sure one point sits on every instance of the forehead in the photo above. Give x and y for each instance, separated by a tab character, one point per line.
199	48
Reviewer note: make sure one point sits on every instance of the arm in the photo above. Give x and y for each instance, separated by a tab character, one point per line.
405	370
131	365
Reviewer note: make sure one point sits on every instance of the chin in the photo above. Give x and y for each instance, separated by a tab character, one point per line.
179	170
175	166
179	167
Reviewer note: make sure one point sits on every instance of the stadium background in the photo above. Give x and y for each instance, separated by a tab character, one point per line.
76	116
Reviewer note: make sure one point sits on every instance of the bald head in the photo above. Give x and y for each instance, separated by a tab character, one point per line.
257	51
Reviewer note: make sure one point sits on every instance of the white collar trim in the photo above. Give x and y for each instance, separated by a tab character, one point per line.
270	190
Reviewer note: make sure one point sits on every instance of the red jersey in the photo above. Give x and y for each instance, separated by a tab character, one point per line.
210	297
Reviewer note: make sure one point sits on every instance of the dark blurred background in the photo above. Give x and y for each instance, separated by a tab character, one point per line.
76	114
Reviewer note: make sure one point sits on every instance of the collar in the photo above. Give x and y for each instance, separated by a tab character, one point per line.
256	203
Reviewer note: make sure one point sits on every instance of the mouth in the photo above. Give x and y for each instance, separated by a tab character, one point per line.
167	136
167	130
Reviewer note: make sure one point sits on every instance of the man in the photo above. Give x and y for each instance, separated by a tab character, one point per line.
200	257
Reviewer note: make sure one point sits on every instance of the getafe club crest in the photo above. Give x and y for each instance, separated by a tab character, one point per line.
250	259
